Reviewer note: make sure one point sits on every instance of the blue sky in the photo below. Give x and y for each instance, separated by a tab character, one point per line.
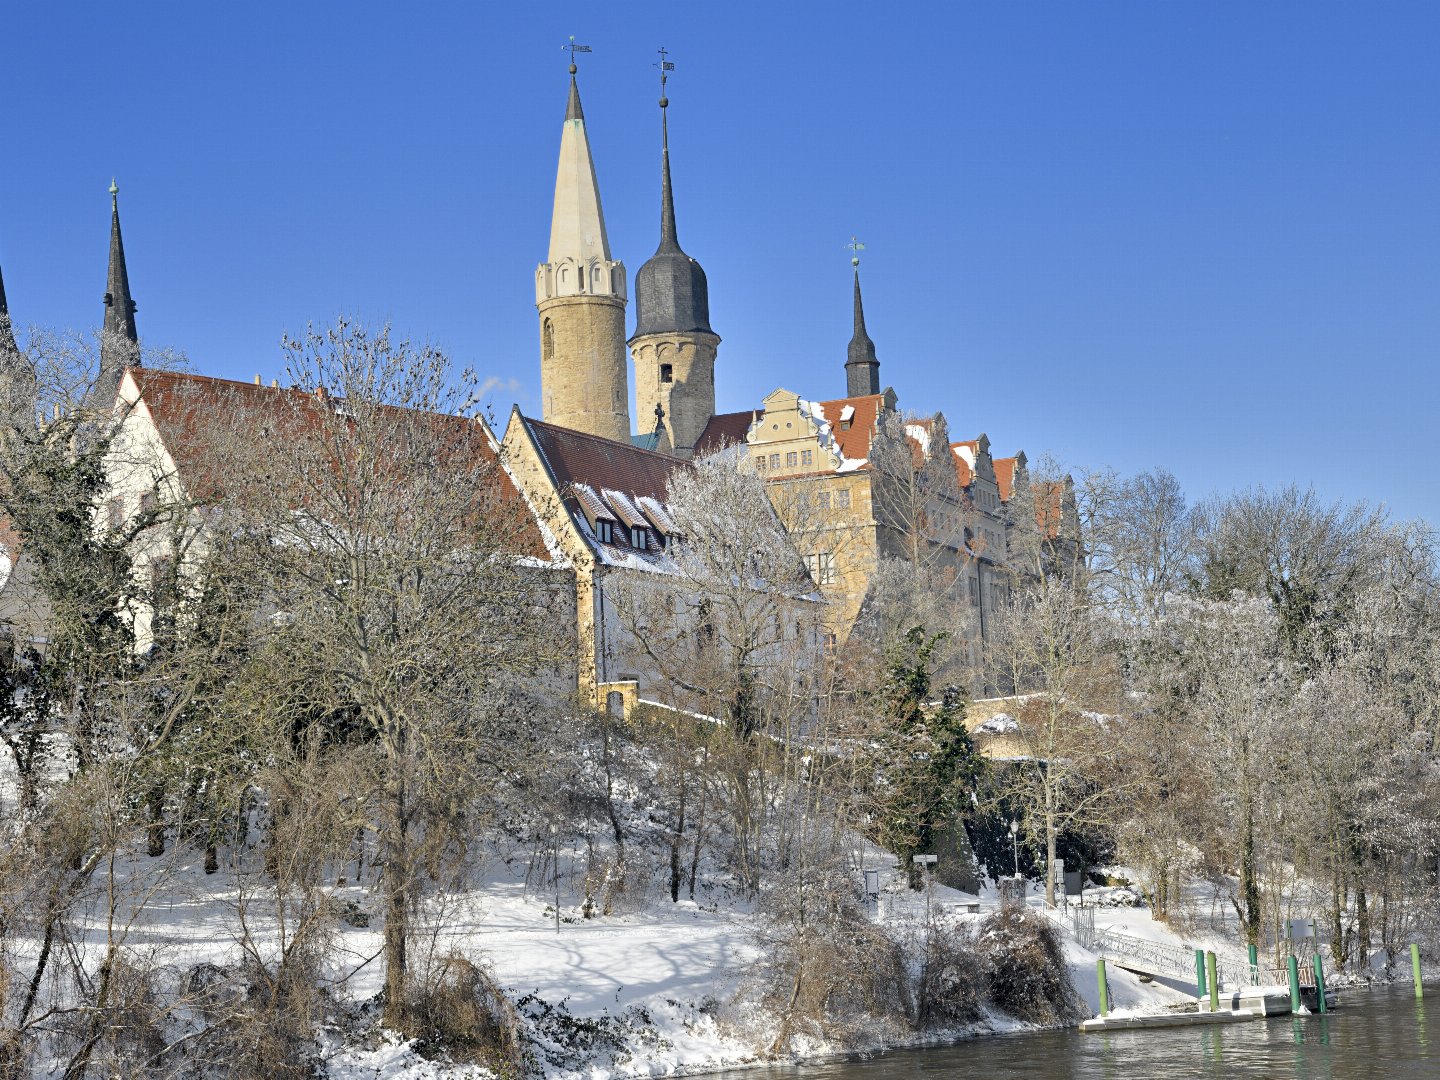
1193	233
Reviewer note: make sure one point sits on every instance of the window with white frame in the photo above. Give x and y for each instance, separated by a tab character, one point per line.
639	537
821	566
604	531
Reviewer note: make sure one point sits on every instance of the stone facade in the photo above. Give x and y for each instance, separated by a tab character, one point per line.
675	373
583	377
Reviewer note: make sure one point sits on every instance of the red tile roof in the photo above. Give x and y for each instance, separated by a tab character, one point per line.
1005	476
854	440
963	472
188	409
723	429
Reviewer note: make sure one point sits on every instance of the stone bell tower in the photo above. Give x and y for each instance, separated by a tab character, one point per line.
580	293
673	346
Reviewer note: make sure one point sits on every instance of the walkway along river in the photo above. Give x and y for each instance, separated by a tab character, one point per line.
1378	1034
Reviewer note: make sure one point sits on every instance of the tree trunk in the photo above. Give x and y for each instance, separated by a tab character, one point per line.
676	839
1249	878
397	886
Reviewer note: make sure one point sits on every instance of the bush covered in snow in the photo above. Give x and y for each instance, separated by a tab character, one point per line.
1025	968
952	979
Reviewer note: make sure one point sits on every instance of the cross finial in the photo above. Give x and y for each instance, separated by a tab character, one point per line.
659	414
573	50
855	247
665	67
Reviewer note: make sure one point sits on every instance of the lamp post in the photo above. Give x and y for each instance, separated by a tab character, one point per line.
1015	843
555	854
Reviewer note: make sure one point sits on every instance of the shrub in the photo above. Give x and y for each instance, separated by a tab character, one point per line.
952	979
461	1013
1025	968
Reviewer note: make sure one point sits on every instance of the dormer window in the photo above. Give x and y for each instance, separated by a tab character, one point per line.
845	425
604	531
638	537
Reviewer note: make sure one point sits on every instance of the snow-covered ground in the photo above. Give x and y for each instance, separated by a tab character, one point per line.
651	981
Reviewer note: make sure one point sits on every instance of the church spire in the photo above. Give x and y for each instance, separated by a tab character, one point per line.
577	223
668	240
580	295
7	333
671	293
862	370
673	346
119	346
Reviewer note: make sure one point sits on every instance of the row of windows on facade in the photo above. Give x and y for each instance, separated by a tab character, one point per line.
792	460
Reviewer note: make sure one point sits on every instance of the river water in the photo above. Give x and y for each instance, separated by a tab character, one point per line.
1382	1034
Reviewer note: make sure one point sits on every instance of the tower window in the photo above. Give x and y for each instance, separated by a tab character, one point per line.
547	340
667	373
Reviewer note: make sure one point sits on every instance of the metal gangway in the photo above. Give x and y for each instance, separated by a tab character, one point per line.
1146	957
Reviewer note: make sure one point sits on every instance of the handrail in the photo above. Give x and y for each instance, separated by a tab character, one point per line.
1178	960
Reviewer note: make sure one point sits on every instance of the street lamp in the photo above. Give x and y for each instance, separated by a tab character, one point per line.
555	854
1015	843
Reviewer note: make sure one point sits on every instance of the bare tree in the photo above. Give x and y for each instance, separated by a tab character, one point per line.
398	564
1052	651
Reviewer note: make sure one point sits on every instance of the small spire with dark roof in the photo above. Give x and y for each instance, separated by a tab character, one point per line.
7	333
671	293
862	370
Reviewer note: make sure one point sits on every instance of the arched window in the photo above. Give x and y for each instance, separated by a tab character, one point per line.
615	703
547	340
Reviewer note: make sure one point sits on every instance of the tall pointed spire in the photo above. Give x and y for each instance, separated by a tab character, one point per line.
119	346
119	307
862	370
580	294
577	223
668	239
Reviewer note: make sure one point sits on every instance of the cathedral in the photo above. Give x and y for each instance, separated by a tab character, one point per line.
813	452
594	467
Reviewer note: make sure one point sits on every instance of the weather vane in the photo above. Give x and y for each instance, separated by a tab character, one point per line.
573	50
664	66
855	247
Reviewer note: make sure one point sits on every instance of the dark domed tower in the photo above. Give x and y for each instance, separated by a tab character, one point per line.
673	346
